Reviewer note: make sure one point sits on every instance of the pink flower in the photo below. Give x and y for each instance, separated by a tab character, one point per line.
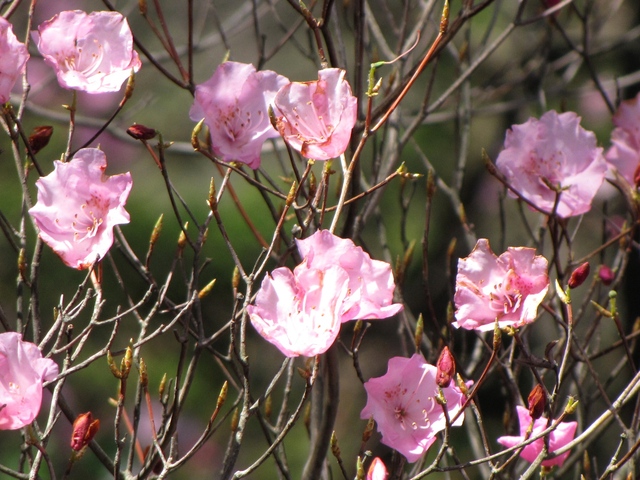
555	152
377	470
509	287
13	58
403	404
235	105
558	438
92	52
624	153
78	206
22	371
316	118
300	312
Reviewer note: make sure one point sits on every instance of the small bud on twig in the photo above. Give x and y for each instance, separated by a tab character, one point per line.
579	275
140	132
84	429
39	138
606	275
446	368
537	401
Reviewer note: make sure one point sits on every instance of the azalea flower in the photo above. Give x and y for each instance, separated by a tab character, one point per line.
316	118
553	156
91	52
624	153
13	58
78	206
558	438
508	288
377	470
235	105
22	371
403	404
300	311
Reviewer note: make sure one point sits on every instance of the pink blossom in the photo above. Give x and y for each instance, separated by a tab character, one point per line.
509	287
558	438
624	153
13	58
235	105
377	470
551	156
300	312
403	404
91	52
78	206
22	371
316	118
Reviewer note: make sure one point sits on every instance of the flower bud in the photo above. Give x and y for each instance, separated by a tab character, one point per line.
140	132
39	138
84	429
446	368
537	402
579	275
607	276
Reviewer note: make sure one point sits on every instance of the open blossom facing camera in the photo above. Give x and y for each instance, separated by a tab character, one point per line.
558	438
78	206
509	287
553	156
22	371
316	118
91	52
403	404
300	311
235	105
13	58
624	153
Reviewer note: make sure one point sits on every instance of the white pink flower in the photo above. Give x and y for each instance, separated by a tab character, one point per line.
235	105
558	438
377	470
13	58
403	404
553	156
78	206
91	52
316	118
300	311
624	153
22	371
508	288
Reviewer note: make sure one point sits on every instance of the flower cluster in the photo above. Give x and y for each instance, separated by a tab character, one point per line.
300	311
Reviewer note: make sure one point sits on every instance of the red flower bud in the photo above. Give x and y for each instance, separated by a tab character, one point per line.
606	275
579	275
39	138
140	132
84	429
446	368
537	402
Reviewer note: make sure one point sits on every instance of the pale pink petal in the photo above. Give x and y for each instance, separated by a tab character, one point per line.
235	105
377	470
89	52
316	118
624	153
78	206
554	150
22	371
13	58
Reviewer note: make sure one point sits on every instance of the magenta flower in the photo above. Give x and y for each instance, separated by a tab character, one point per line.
403	404
235	105
542	157
13	58
558	438
91	52
78	206
316	118
22	371
300	312
377	470
508	288
624	153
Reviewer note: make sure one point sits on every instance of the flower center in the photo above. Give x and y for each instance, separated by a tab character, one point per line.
87	57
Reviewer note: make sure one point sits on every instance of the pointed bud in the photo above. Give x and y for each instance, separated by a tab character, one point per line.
112	366
144	377
235	278
377	470
579	275
446	368
140	132
268	407
606	275
142	6
368	430
235	418
335	448
359	469
39	138
128	91
212	201
537	402
162	386
417	336
125	364
84	429
207	289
